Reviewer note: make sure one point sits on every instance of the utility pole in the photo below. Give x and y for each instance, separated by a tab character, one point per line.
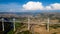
2	24
14	23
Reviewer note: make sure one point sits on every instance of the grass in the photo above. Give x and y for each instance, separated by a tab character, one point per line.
16	25
55	26
25	32
10	32
54	33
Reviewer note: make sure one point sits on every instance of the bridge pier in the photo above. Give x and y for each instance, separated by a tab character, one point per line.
28	23
48	25
14	24
2	24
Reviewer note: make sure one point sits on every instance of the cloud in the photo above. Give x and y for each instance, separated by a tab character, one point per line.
33	6
55	6
38	6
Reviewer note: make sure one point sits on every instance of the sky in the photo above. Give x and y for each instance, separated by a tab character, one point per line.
29	5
